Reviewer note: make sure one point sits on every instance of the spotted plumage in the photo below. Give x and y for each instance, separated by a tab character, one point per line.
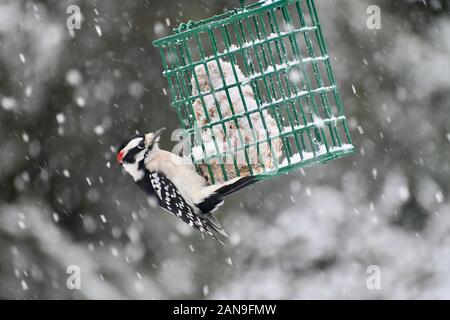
169	198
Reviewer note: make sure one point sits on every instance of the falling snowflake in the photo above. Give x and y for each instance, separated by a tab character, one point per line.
25	137
80	101
99	31
439	197
99	130
9	103
360	130
60	118
158	28
73	77
24	285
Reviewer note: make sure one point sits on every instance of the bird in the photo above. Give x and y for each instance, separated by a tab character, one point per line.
175	184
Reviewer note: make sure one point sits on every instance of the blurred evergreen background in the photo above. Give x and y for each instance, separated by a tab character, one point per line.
67	102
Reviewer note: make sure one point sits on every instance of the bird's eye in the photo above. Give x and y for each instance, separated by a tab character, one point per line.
141	144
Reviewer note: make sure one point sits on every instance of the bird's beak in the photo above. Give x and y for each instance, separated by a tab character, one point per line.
120	157
158	133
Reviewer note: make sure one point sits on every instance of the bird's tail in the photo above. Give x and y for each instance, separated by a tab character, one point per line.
214	200
215	225
216	193
235	184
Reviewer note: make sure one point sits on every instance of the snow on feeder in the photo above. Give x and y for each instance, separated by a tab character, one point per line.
254	89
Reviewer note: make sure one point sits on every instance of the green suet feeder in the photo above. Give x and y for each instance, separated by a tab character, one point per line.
255	91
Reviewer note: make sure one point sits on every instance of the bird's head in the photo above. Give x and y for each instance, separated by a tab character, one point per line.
135	149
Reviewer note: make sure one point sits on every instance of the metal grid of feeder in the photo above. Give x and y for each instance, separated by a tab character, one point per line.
255	90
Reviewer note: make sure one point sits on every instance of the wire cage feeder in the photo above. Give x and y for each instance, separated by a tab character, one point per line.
255	91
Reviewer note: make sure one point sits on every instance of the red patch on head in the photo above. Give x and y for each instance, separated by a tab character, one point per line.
120	156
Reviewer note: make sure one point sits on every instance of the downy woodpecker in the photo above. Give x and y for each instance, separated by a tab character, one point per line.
174	182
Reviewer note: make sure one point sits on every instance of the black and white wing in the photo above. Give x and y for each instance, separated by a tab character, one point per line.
170	199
